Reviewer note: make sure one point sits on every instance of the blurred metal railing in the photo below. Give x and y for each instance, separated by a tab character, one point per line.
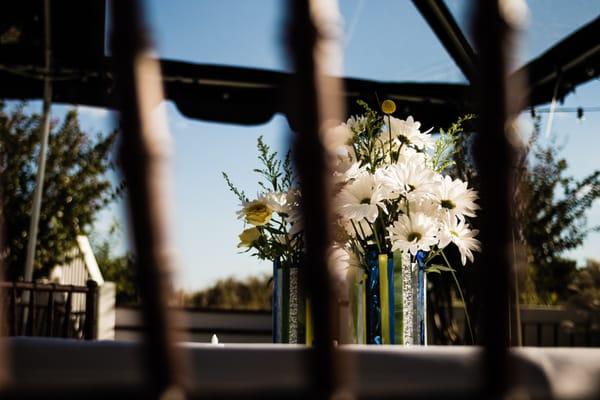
145	155
51	310
316	104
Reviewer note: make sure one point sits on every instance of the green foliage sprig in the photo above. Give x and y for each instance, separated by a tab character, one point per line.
447	146
274	239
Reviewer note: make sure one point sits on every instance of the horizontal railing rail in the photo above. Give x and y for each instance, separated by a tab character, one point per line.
44	287
50	310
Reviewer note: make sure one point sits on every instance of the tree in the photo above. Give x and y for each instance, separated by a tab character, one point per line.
585	292
253	293
76	186
552	214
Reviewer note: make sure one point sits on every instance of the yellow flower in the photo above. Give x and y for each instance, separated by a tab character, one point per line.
388	107
248	237
257	212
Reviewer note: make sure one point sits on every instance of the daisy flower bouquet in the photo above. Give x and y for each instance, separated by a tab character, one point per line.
273	232
398	211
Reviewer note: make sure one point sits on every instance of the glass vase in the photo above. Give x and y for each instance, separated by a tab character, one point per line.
411	289
288	304
380	301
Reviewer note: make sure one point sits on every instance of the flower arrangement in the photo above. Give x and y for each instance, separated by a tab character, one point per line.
393	191
272	218
396	199
393	196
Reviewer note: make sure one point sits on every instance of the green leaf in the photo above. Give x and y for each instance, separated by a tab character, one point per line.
437	268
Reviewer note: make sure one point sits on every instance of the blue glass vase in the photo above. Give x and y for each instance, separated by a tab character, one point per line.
380	299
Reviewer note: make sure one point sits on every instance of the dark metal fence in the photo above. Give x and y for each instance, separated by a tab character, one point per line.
145	150
560	334
49	310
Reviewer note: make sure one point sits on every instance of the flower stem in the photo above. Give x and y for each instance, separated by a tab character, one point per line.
373	228
390	134
460	293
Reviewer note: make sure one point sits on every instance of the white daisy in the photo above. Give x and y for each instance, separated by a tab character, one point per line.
294	211
357	229
338	262
406	132
414	233
455	230
424	206
410	155
360	199
344	268
351	172
278	201
412	179
295	221
336	137
357	124
454	196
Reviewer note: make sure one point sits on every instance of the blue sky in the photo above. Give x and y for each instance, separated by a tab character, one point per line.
385	40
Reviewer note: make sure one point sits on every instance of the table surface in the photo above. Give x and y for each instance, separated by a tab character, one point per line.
237	368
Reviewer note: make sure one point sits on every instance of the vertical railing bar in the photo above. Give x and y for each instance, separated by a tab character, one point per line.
91	310
588	334
13	310
67	320
572	338
495	157
50	312
145	153
555	333
4	357
539	328
32	301
316	103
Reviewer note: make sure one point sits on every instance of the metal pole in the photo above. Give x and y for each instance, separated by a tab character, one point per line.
39	180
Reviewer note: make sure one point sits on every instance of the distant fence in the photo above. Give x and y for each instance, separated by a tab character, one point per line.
540	326
50	310
557	326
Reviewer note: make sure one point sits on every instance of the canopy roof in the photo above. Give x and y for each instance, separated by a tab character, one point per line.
83	72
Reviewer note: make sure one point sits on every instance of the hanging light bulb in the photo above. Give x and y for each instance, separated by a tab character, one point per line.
533	112
580	114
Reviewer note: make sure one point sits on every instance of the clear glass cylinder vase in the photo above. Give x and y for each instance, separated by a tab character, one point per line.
412	306
288	304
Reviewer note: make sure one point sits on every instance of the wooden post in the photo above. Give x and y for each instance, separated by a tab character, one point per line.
495	156
317	105
145	155
91	310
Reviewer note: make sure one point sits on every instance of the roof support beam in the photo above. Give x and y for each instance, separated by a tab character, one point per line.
449	34
570	62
